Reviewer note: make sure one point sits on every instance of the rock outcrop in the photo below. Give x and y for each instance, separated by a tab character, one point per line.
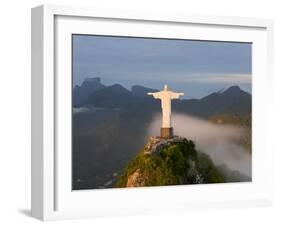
136	179
156	144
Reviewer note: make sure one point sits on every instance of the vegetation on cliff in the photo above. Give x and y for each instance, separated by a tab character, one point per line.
169	162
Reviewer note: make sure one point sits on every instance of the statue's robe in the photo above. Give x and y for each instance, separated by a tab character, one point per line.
166	96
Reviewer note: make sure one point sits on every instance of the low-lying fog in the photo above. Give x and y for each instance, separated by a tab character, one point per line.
218	141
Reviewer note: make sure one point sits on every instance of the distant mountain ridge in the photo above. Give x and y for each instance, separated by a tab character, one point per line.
114	96
232	100
141	90
92	92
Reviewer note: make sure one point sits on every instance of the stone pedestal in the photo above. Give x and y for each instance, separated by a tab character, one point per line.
167	132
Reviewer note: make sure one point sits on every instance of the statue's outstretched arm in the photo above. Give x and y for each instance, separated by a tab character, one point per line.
176	95
155	95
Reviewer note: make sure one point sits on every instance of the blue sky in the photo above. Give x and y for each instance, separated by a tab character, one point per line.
196	68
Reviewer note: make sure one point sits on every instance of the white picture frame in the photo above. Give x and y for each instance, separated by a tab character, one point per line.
52	198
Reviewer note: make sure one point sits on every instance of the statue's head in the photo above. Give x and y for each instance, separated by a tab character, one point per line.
165	87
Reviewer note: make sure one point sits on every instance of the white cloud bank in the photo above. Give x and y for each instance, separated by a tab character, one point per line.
218	141
222	78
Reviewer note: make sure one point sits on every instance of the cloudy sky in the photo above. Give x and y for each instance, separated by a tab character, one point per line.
196	68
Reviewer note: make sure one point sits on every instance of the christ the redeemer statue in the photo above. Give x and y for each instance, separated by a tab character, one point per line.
166	96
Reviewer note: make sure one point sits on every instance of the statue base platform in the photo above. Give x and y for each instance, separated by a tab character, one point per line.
167	132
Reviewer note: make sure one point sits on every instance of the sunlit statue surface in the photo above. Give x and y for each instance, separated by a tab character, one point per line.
166	96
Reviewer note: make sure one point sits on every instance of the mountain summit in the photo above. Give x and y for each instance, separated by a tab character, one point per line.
235	90
172	161
89	85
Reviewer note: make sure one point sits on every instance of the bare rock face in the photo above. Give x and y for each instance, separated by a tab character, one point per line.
156	144
136	179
